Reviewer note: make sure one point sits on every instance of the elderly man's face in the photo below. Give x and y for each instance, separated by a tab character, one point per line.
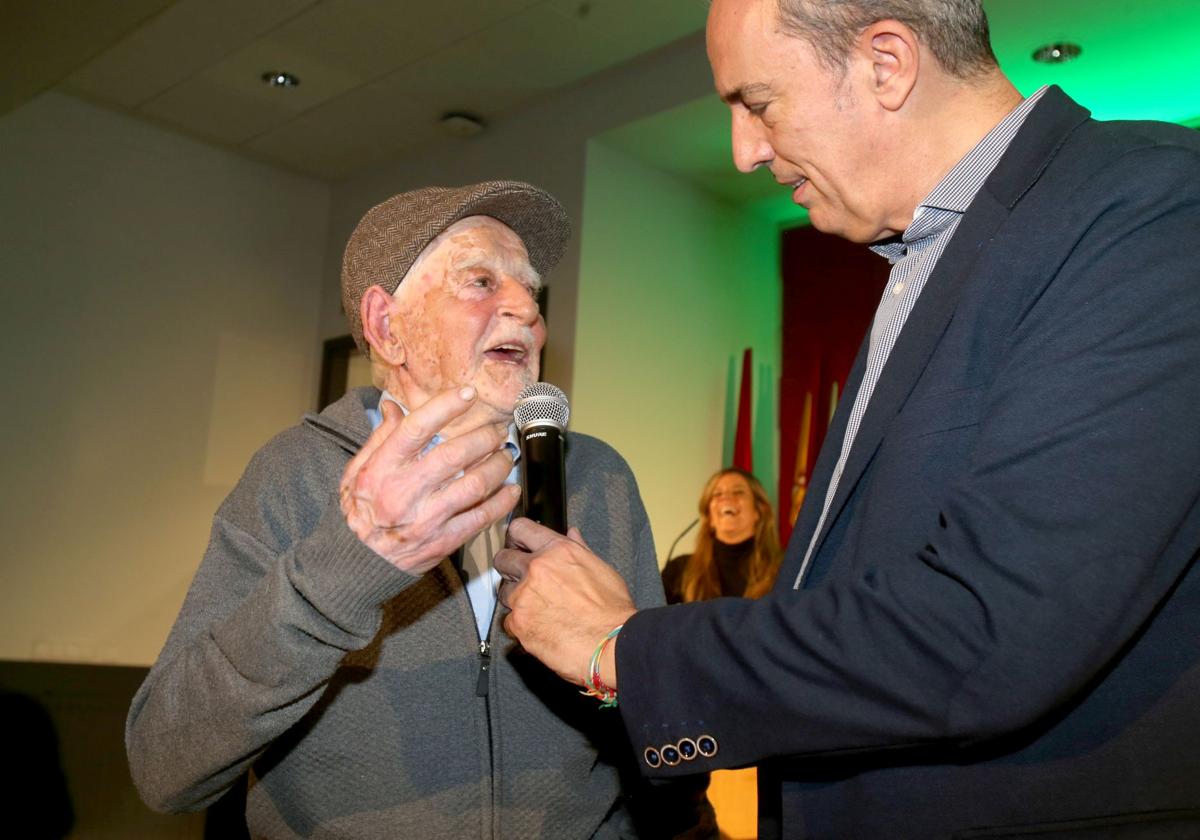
468	315
816	130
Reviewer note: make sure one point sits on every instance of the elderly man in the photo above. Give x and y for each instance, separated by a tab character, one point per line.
336	644
988	620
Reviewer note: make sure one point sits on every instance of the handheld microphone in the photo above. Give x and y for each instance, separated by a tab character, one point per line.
541	415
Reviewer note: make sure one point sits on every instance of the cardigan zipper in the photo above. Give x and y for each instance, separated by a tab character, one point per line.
485	664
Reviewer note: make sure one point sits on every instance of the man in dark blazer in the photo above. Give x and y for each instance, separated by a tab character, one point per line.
988	621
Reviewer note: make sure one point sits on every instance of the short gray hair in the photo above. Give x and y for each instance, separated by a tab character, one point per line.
955	31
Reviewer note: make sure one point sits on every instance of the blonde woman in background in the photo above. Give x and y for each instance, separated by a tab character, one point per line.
737	549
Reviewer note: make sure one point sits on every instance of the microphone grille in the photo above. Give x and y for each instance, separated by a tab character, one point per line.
541	403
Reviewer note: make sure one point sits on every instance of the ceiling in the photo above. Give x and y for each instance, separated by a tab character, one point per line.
376	75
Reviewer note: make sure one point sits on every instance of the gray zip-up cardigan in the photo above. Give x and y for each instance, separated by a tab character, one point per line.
353	693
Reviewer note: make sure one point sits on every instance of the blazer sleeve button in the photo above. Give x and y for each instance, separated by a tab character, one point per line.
687	748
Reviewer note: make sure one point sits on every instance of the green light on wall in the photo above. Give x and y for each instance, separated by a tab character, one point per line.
779	210
1137	60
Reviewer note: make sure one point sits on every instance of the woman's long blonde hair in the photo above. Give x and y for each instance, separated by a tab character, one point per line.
701	579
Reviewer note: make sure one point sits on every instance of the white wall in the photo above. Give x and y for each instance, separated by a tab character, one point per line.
160	322
673	285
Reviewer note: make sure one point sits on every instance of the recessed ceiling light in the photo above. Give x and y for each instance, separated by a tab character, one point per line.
461	124
1057	53
280	78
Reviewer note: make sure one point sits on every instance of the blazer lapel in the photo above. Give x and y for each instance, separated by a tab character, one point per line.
922	331
1045	129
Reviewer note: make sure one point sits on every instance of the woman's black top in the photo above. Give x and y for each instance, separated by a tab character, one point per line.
732	568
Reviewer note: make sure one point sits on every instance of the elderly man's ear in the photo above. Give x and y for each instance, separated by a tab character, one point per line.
377	310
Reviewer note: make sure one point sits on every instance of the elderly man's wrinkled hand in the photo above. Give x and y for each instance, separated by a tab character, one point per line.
562	598
411	506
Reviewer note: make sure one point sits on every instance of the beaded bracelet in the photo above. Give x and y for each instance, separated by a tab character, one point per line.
595	686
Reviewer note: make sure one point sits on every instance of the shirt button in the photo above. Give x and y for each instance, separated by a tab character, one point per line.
898	288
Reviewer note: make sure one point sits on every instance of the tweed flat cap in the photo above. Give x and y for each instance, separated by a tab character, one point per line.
390	237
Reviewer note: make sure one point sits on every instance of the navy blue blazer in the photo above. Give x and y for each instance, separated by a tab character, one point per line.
1000	631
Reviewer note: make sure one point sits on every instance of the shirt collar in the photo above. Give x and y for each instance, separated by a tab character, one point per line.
953	194
375	416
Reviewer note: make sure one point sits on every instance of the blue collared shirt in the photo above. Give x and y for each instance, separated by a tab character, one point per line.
481	587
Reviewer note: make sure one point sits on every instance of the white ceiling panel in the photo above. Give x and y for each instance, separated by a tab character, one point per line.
185	39
445	21
242	73
635	26
41	43
215	111
366	37
333	150
462	78
367	125
537	50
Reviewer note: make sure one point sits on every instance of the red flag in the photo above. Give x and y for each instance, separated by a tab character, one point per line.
743	456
